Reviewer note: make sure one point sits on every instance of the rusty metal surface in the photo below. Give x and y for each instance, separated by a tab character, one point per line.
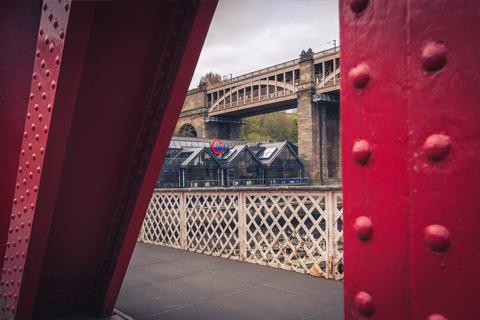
411	143
104	96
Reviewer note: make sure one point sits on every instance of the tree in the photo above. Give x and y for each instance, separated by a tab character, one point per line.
278	126
187	130
210	78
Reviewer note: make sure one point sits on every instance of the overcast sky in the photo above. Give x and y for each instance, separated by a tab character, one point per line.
249	35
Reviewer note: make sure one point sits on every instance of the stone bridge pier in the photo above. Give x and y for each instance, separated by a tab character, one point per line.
318	127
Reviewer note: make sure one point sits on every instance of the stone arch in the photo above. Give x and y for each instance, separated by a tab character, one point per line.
187	130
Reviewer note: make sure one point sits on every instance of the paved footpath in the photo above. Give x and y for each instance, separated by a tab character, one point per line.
164	283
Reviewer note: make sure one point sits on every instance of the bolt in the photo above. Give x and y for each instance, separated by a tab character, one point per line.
437	237
434	56
437	147
358	6
361	152
363	303
436	317
360	75
363	228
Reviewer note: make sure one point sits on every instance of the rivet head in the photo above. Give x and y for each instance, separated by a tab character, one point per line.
363	303
437	147
437	237
363	228
436	317
360	75
434	56
361	152
358	6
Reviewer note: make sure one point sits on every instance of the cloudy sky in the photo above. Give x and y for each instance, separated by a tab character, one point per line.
249	35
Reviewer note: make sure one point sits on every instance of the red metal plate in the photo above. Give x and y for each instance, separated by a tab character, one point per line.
411	144
115	85
18	36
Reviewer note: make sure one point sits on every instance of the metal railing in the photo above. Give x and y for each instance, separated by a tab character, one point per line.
292	228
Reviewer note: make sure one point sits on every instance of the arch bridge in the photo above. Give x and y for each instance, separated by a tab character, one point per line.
310	83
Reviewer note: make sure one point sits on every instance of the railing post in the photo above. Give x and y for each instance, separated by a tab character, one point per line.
183	220
330	225
242	225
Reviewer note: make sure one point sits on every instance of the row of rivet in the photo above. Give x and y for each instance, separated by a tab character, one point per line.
22	219
436	148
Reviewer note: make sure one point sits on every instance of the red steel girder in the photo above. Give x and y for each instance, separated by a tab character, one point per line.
108	84
411	146
17	21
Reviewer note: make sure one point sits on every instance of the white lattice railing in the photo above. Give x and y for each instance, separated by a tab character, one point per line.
293	228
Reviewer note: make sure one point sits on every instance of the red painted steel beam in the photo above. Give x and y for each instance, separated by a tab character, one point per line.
108	84
17	21
411	145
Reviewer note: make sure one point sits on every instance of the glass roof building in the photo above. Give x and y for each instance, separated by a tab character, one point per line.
191	163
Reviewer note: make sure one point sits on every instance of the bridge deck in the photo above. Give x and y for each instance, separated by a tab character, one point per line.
164	283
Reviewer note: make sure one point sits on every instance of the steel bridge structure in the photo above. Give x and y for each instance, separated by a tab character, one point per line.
89	96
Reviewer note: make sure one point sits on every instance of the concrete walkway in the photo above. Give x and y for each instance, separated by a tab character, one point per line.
164	283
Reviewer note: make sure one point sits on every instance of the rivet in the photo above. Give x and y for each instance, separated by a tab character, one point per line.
34	76
36	107
55	24
47	72
34	156
437	237
27	192
67	6
50	17
45	129
31	96
360	75
40	117
43	64
54	84
44	95
37	137
434	56
362	227
57	60
363	303
25	134
22	152
51	47
28	115
37	53
358	6
47	40
436	317
361	152
62	34
45	7
49	108
437	147
42	150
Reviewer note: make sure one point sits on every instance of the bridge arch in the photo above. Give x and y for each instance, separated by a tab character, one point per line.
187	130
280	88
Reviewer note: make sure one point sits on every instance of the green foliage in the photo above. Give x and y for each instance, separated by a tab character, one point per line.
278	126
187	130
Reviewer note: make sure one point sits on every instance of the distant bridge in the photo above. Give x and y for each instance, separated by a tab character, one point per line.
310	83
